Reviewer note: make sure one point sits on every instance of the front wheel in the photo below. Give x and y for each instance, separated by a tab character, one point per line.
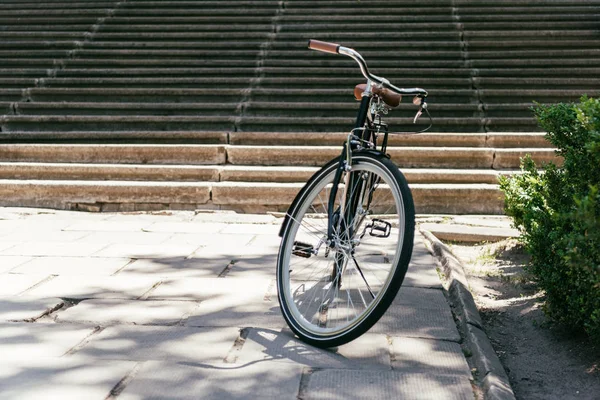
331	293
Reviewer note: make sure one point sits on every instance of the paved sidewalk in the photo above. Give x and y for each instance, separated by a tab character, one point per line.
179	305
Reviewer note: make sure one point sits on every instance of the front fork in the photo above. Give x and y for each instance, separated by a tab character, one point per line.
338	219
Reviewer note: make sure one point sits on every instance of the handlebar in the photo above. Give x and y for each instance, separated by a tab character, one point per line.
334	48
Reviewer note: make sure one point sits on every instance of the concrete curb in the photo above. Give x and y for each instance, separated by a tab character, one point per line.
492	378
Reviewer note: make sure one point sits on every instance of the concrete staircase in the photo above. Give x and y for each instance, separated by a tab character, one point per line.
128	105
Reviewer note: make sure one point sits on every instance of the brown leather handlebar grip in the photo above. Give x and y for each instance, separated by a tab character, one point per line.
390	98
325	47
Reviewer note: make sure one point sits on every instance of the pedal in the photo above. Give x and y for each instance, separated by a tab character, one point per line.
380	228
302	249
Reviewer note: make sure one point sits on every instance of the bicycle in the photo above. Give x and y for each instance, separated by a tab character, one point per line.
347	237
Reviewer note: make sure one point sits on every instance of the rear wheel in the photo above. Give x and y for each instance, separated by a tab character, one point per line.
332	293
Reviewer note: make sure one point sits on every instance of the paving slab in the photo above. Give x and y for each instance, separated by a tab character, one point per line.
118	311
7	263
186	227
71	265
160	380
46	236
175	268
210	240
369	351
85	287
154	216
60	217
339	384
223	292
32	225
230	217
254	265
467	233
412	355
25	340
60	378
44	248
491	221
19	308
14	284
266	241
421	313
239	252
238	311
207	346
226	301
421	270
108	226
146	250
4	245
146	238
256	229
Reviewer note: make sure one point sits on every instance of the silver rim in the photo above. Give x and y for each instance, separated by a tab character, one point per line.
328	293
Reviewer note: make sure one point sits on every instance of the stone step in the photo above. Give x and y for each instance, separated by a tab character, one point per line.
374	57
108	172
117	122
404	157
123	195
239	196
115	137
336	124
116	108
7	5
67	123
536	72
271	82
492	140
10	94
270	72
397	74
391	46
249	109
242	155
533	44
516	9
537	83
537	33
278	94
111	153
217	173
325	111
291	65
55	35
559	54
298	57
17	82
539	95
469	16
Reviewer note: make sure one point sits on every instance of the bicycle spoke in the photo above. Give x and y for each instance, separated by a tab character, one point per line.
363	276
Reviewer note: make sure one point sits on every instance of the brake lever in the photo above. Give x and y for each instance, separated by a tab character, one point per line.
423	106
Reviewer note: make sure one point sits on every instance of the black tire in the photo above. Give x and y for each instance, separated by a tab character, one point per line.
366	267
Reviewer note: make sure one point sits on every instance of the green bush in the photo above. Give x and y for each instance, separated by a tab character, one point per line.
558	214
